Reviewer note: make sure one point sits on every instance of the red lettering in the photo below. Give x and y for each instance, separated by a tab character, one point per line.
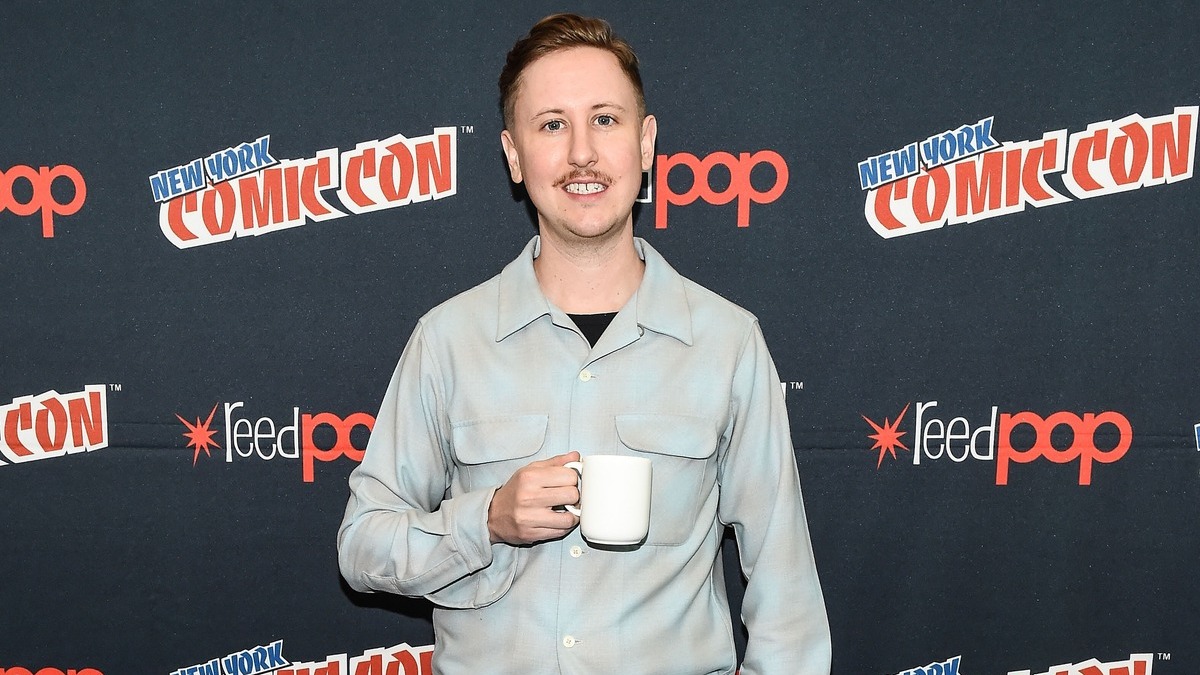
399	160
429	166
172	217
1129	154
359	166
262	199
54	424
316	176
219	224
930	206
87	418
976	192
1083	444
51	416
1089	148
880	203
17	419
42	199
1175	149
740	185
342	444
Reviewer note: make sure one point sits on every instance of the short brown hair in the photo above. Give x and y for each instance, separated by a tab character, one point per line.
558	32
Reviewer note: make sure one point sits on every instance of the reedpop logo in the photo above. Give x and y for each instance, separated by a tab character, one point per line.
1007	438
310	437
41	195
740	187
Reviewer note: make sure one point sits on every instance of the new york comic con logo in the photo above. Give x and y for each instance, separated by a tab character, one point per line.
244	191
309	437
964	175
400	659
51	424
1006	438
1136	664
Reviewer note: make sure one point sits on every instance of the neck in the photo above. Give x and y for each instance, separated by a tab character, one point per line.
589	279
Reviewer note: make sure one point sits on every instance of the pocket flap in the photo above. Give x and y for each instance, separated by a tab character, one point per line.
676	435
495	439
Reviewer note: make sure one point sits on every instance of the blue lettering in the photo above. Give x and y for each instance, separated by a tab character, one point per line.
275	653
173	180
906	160
245	154
885	168
965	146
929	154
868	172
229	160
260	659
262	156
947	147
213	162
162	192
983	134
193	176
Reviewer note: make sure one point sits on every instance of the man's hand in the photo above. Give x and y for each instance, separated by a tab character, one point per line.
522	510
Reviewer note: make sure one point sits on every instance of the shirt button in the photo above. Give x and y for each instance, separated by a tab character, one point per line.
576	551
585	375
568	642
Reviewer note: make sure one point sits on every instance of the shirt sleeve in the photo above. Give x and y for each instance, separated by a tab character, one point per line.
401	534
783	608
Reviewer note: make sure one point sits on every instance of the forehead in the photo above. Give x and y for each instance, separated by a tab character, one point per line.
580	77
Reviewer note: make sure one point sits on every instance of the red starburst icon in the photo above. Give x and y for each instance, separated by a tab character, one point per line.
887	436
200	435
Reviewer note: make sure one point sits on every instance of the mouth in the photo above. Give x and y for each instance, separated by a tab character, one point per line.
584	182
585	188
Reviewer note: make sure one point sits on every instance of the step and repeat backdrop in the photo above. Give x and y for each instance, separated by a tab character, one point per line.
969	231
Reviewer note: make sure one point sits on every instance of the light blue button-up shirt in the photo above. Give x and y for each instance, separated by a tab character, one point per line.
498	377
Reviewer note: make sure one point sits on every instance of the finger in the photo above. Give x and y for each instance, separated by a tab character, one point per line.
559	521
556	496
559	460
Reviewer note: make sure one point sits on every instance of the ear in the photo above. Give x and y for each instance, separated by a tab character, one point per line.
649	133
510	154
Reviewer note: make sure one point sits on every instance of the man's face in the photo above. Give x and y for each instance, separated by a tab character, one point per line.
578	144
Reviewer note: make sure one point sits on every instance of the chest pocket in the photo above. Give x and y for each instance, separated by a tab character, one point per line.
683	452
488	451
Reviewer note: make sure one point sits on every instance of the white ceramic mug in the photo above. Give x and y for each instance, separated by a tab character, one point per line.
614	498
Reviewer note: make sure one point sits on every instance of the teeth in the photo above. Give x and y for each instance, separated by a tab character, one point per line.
584	188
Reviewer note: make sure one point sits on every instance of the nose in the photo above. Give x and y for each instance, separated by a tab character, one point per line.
583	148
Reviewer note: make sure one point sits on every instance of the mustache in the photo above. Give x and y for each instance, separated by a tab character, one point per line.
588	175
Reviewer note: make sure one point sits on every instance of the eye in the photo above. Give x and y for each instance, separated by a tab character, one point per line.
606	120
553	125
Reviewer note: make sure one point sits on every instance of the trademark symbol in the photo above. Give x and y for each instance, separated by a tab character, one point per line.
786	386
114	387
1164	656
467	129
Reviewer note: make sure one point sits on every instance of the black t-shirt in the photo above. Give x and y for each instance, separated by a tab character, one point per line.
593	325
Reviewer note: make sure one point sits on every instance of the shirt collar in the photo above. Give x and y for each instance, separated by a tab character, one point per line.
660	303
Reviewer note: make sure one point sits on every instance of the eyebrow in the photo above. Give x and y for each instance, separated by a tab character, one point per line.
598	106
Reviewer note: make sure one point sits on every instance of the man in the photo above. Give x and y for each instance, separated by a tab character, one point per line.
587	343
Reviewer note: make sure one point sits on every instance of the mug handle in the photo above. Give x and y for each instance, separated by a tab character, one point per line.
578	467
